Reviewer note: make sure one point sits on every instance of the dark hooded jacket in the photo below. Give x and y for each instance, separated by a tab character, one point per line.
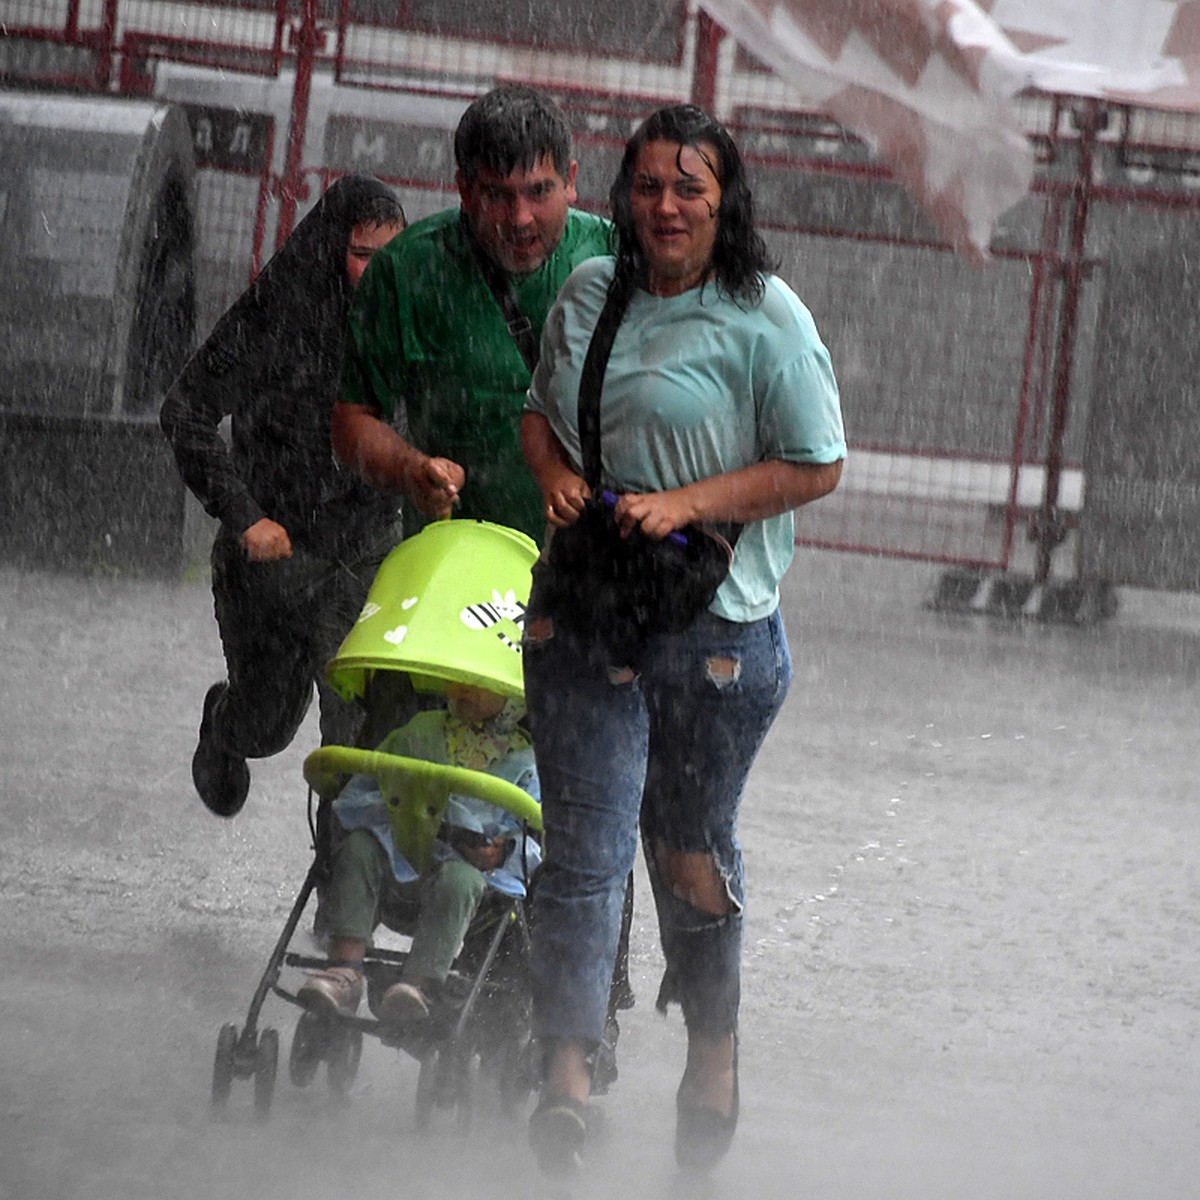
273	364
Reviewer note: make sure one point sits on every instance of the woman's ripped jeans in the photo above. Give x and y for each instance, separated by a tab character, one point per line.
668	748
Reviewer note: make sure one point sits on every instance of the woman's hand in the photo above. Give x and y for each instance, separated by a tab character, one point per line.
655	513
565	494
563	489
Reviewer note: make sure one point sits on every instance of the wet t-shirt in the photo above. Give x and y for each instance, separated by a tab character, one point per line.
698	385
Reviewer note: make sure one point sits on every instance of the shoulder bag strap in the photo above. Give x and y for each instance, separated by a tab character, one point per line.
519	326
591	380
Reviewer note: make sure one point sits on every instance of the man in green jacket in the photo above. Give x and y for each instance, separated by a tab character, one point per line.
429	342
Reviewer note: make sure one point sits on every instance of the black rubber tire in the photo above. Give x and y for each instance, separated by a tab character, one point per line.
427	1088
344	1051
222	1075
308	1049
465	1072
266	1068
517	1079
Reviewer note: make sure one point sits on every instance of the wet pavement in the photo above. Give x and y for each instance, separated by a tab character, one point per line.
973	941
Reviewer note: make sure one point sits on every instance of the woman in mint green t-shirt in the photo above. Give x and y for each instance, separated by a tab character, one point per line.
719	405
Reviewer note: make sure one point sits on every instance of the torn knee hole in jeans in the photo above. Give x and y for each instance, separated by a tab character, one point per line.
723	670
696	878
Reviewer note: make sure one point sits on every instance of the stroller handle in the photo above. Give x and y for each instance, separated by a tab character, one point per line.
325	770
416	793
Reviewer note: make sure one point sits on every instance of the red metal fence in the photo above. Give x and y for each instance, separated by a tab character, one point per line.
968	393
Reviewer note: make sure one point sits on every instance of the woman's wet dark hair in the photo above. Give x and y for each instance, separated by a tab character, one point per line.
512	127
740	256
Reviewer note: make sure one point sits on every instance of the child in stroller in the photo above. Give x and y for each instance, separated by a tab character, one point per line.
479	848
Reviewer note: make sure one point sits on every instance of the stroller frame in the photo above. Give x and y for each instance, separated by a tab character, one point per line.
448	1047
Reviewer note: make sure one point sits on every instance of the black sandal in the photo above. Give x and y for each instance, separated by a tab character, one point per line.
702	1134
557	1131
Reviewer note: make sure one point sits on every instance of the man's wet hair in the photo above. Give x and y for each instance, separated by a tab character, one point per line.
512	127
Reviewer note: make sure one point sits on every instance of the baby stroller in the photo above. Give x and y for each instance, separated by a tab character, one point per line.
446	606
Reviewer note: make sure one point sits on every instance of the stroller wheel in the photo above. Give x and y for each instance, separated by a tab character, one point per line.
308	1048
517	1074
427	1088
344	1052
223	1065
464	1094
446	1080
266	1065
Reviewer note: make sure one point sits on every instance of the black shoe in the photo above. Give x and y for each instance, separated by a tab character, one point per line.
703	1135
557	1131
221	778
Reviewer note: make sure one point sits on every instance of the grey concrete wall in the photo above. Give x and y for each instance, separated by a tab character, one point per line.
96	319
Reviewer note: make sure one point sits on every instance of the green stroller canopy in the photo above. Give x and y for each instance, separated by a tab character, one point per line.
447	605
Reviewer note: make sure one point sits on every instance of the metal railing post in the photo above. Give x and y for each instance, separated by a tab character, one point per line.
291	186
1090	119
704	76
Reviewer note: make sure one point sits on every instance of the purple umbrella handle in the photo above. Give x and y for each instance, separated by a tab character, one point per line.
610	499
